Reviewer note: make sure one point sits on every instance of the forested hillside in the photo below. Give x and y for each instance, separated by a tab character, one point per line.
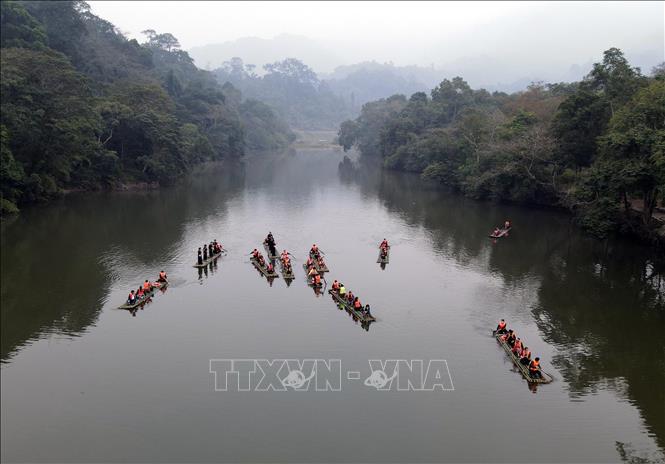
292	89
85	108
596	147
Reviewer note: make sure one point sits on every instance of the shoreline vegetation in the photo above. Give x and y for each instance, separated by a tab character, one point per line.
595	148
84	108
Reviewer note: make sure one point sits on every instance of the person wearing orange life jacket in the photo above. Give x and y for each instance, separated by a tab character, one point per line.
534	369
317	279
335	285
320	262
357	305
501	328
146	286
255	254
526	356
517	347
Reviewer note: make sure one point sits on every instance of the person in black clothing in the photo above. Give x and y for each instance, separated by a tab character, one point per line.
511	338
210	249
199	260
205	252
270	241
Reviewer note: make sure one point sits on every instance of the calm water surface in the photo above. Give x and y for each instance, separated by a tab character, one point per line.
83	381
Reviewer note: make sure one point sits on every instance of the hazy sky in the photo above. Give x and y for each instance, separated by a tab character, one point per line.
537	34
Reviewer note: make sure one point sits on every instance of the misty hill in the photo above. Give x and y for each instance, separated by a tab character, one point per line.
334	60
364	82
292	89
257	51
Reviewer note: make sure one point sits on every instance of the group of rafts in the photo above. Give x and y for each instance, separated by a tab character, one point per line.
315	268
206	255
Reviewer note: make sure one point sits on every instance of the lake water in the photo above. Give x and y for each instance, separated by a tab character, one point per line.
85	381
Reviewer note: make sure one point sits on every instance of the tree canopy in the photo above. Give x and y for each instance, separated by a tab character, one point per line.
595	146
84	107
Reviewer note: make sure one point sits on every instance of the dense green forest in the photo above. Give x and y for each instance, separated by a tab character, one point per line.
595	147
292	89
83	107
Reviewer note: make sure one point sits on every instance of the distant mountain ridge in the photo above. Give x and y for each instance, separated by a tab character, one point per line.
329	61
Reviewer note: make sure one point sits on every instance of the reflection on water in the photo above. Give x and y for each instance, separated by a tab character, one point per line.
594	310
601	304
74	249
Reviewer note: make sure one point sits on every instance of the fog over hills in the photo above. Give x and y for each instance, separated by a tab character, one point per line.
496	45
481	70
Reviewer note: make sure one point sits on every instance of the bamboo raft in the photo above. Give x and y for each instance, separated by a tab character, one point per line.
502	233
268	254
145	298
321	269
385	260
309	280
263	269
209	260
362	317
285	276
547	378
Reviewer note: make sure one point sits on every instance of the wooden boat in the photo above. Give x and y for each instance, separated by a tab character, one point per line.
385	260
350	309
268	254
502	233
522	368
263	269
209	260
